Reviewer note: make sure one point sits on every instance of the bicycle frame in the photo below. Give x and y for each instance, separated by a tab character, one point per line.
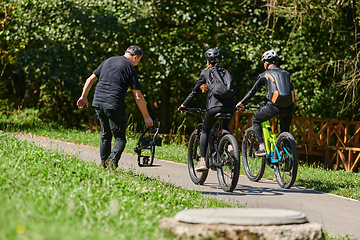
269	137
273	155
214	138
270	143
147	143
151	142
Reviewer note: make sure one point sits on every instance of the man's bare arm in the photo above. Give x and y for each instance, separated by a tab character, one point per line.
141	103
87	86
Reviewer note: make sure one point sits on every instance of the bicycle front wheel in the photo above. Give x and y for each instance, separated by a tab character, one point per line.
286	169
229	156
152	155
254	166
194	158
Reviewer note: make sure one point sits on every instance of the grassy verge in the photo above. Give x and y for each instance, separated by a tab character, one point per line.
47	195
27	122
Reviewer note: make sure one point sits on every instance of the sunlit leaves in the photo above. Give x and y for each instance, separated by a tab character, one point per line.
51	47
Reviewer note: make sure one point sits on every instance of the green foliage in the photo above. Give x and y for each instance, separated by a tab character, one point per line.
49	48
29	116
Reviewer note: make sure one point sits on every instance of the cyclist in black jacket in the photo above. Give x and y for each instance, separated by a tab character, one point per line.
213	105
277	81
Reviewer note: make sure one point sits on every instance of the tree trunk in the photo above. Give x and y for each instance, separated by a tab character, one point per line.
164	108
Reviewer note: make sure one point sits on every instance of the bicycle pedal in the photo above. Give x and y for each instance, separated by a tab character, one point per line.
274	161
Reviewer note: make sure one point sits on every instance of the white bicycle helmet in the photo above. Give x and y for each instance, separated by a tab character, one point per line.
269	55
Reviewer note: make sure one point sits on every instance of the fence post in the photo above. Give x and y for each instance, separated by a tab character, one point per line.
311	135
237	122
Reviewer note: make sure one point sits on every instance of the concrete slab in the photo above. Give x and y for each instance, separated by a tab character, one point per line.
305	231
241	216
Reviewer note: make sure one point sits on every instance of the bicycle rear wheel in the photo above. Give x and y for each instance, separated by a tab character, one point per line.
194	158
229	156
286	169
254	166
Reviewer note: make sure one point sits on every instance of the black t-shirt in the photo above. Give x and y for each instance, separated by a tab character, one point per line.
212	102
115	75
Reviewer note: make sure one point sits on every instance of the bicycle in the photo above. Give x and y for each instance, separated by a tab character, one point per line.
281	155
147	141
223	154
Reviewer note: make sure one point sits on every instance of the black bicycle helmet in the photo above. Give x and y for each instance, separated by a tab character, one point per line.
270	55
213	55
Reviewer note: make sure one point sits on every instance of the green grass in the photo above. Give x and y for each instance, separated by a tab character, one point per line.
339	182
47	195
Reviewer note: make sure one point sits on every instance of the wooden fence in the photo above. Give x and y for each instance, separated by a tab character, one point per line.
335	141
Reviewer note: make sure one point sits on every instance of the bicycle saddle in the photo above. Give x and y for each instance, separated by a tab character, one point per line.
223	115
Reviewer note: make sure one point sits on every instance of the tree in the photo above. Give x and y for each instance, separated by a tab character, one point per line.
49	48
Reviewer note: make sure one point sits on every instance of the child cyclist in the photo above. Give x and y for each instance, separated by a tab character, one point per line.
213	105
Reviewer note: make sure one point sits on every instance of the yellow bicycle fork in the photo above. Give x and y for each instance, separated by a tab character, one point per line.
269	137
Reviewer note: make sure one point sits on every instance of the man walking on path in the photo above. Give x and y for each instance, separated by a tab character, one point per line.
115	75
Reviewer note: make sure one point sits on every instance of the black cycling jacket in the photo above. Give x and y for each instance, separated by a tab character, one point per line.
212	102
262	79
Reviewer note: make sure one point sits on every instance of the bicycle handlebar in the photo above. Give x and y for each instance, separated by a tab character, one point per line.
259	106
154	126
192	110
253	107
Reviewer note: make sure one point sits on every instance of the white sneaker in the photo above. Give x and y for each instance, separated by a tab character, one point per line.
261	151
231	150
201	166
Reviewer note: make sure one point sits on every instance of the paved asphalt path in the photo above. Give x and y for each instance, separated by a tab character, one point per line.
339	216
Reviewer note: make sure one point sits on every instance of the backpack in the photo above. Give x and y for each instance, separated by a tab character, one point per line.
220	83
280	88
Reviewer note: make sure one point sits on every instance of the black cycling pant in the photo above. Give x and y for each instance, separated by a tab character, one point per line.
209	122
266	113
113	124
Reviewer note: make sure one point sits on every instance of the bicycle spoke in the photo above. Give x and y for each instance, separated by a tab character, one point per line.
194	158
228	172
286	168
254	166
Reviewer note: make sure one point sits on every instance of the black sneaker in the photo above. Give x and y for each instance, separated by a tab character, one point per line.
260	152
103	164
111	164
